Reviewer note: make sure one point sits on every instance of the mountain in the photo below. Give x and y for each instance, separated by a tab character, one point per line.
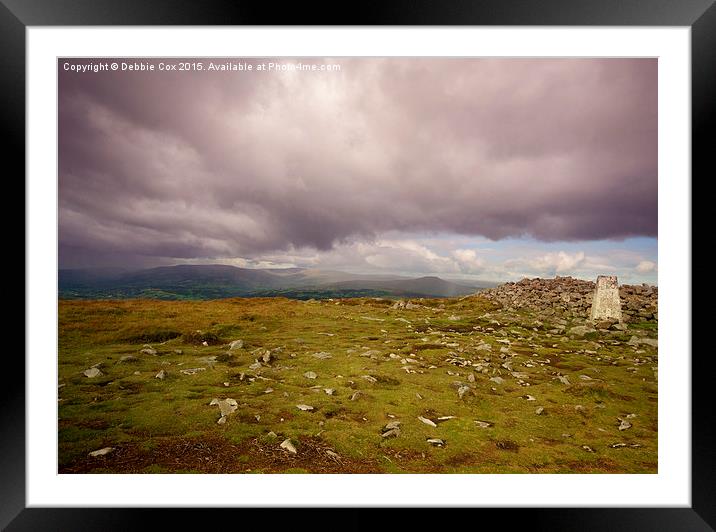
213	281
420	287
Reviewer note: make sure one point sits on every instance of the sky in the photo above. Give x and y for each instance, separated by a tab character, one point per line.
477	168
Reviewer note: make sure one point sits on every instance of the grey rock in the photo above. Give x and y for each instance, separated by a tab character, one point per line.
392	433
192	371
226	406
236	344
101	452
310	375
436	442
427	421
288	445
161	375
92	373
580	330
624	424
305	408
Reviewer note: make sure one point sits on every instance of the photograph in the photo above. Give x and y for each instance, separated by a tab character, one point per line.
357	265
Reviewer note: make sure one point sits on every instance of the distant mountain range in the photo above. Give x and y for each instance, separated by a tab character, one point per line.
214	281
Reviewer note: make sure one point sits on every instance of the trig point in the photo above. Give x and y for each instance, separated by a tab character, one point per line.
605	302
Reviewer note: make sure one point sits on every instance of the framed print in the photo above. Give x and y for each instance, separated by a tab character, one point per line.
413	259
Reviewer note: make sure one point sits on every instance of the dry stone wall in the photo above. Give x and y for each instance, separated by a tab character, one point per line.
572	297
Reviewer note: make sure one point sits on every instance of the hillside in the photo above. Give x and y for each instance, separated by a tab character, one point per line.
216	281
363	385
420	287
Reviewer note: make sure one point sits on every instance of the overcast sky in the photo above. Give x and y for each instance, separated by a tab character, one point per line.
481	168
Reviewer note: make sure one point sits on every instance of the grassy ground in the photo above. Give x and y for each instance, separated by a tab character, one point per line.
404	363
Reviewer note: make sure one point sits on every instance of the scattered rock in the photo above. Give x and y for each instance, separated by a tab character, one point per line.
484	424
624	424
148	350
462	390
161	375
101	452
127	359
288	445
498	380
310	375
192	371
226	406
236	344
322	355
329	391
92	373
392	433
305	408
539	410
427	421
580	330
436	442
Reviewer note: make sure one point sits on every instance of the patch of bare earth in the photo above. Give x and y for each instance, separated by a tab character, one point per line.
219	456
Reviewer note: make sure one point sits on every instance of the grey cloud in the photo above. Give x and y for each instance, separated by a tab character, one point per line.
161	165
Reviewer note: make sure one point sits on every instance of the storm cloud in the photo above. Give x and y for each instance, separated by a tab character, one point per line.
188	165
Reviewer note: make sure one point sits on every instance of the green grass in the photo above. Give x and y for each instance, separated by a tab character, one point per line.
162	425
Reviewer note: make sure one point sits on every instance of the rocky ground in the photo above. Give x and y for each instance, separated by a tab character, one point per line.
481	384
573	297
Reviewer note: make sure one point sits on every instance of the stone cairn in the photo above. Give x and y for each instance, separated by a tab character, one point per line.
573	297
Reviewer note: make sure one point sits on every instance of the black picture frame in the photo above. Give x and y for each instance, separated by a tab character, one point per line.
699	15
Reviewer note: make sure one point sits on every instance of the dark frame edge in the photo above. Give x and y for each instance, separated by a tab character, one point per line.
12	118
702	515
703	137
